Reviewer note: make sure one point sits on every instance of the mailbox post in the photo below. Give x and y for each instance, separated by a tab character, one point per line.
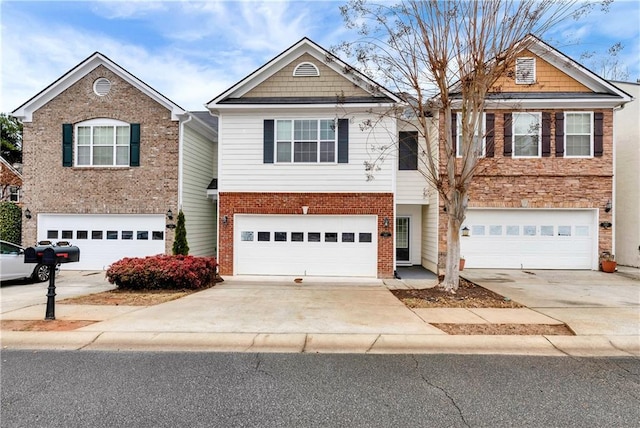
50	256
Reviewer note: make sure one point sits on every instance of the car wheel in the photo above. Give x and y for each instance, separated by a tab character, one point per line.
41	273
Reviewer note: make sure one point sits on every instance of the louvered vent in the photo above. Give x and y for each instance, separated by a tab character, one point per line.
306	69
525	71
101	86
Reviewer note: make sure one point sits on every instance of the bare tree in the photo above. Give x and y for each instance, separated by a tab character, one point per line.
445	56
608	66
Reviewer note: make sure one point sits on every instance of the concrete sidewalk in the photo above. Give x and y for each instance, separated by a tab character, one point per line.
329	315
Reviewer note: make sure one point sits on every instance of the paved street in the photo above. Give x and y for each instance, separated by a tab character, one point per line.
106	389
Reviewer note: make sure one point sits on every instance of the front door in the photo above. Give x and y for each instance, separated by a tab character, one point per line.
402	240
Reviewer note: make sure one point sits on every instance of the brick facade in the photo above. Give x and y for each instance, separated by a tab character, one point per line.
151	188
380	204
546	182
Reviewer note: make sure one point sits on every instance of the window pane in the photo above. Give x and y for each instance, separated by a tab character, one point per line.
127	234
280	236
284	130
546	230
327	130
297	236
327	151
513	230
529	230
96	234
477	230
314	237
142	235
122	135
578	123
103	135
112	234
82	234
564	230
67	234
246	236
330	237
52	234
364	237
495	230
157	235
84	135
305	152
526	129
283	151
103	155
305	130
582	230
348	237
526	145
122	155
264	236
84	155
578	145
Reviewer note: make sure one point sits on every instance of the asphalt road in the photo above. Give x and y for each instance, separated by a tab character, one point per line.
107	389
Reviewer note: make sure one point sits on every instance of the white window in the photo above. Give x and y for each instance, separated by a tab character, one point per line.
102	142
527	134
479	142
306	141
14	193
525	71
578	134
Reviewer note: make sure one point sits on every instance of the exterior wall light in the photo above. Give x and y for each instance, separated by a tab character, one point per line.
225	219
27	214
385	222
465	231
170	214
607	207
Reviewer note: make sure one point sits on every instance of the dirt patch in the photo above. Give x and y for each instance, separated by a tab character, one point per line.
128	298
505	329
43	325
468	295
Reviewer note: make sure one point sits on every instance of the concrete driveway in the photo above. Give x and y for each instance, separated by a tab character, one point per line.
590	302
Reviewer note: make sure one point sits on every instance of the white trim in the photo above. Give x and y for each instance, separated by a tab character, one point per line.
591	135
101	122
181	160
306	69
293	141
483	124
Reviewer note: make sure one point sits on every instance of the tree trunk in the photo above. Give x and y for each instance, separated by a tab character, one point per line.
456	214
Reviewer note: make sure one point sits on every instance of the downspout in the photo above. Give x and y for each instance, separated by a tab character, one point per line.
614	187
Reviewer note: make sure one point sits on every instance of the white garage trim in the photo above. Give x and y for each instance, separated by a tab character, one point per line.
306	245
105	238
531	239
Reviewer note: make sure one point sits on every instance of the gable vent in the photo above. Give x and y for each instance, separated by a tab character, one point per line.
102	86
525	71
306	69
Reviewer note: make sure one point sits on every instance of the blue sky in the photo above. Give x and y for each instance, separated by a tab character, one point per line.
192	51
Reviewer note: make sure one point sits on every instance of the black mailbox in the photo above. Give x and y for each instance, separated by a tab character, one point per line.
48	255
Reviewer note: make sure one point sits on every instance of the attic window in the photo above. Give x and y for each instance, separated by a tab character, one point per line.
306	69
101	86
525	71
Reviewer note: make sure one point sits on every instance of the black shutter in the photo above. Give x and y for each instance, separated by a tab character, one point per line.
454	132
269	138
408	151
490	136
546	134
508	135
343	140
559	134
134	144
598	134
67	144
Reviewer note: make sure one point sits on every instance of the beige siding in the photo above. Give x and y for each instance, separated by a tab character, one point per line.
430	237
627	179
243	170
199	167
327	84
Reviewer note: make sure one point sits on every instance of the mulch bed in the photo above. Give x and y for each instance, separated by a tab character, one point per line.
505	329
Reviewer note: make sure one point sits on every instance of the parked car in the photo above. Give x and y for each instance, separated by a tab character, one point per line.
12	265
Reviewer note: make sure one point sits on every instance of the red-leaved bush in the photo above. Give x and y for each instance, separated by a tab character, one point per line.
163	272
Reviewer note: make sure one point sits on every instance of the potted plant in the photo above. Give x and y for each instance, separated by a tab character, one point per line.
462	262
607	262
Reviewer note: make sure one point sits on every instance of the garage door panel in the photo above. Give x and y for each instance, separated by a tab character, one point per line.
323	258
545	239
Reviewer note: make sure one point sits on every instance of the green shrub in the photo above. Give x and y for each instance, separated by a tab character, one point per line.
163	272
10	222
180	245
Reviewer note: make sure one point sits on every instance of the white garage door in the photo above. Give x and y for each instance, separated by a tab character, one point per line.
104	238
530	239
306	245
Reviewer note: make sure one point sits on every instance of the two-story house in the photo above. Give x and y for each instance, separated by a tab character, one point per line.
109	162
543	194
